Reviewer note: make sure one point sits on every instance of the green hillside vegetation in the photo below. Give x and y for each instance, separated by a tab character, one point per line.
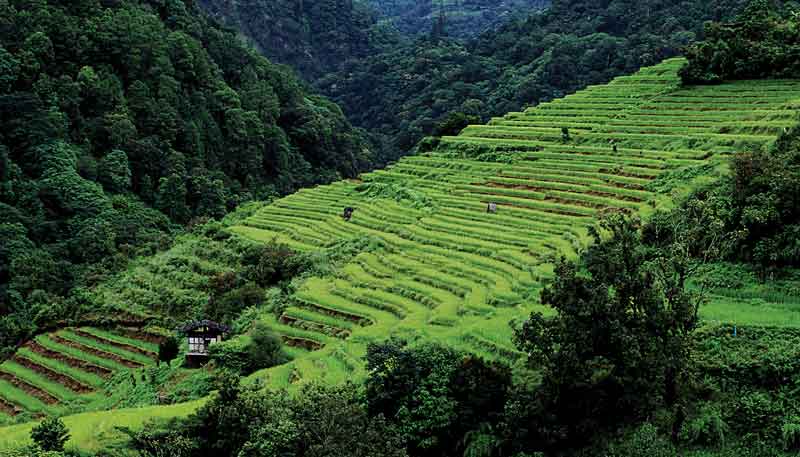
124	122
422	260
455	18
314	38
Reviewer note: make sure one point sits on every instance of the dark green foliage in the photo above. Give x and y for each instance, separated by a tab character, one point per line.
434	395
168	350
458	19
618	347
265	348
752	215
317	422
314	37
758	44
262	348
645	441
454	123
50	435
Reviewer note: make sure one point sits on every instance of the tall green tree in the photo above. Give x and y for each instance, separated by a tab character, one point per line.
618	346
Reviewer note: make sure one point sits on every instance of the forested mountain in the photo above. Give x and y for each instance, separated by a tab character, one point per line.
314	37
122	120
403	93
455	18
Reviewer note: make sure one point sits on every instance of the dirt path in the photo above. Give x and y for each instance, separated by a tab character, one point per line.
302	343
96	352
29	388
137	334
52	375
71	361
336	314
123	346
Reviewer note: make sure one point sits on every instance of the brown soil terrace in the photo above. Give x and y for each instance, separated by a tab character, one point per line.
7	408
52	375
96	352
360	320
542	210
140	335
549	198
595	193
617	184
310	345
314	326
625	174
123	346
71	361
29	388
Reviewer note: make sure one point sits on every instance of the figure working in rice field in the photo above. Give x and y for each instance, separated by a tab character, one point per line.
491	208
348	213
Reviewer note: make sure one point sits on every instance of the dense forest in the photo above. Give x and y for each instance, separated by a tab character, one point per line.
314	38
455	18
123	122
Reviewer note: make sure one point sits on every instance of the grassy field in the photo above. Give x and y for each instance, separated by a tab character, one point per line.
437	267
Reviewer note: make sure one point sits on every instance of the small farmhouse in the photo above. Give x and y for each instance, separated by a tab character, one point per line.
201	335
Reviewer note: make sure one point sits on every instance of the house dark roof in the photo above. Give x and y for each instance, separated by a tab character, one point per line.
188	327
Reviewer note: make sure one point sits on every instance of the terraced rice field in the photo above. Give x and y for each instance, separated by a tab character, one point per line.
440	267
57	372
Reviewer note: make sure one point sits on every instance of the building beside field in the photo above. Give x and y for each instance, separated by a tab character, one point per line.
200	335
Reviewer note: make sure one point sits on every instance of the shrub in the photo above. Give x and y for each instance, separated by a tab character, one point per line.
261	349
231	354
790	433
265	349
708	428
168	350
50	435
644	442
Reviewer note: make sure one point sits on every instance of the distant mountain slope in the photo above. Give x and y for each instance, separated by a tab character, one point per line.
314	37
461	18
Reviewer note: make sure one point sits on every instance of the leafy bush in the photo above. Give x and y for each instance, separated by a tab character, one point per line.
707	428
790	433
168	349
756	413
262	348
645	441
50	435
231	354
265	348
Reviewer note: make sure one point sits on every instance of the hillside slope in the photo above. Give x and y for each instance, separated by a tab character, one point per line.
123	122
458	18
427	262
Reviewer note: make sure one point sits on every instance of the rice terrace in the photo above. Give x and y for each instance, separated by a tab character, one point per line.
430	261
